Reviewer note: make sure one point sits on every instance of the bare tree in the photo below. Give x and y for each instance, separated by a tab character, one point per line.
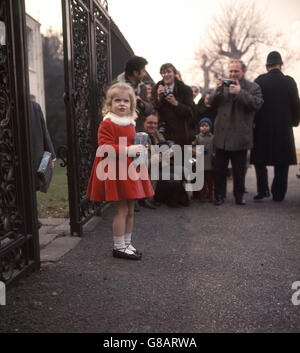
207	63
238	31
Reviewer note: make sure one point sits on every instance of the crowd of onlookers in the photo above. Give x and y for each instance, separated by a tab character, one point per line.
230	121
236	117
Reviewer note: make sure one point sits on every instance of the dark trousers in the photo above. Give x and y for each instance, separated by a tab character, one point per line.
208	185
279	184
238	161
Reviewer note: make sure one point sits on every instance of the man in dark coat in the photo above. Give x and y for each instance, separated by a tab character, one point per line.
236	102
273	129
174	102
134	74
41	140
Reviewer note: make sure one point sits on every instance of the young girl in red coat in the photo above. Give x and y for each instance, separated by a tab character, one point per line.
115	181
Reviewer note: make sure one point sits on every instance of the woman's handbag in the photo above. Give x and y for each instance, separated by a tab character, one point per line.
44	172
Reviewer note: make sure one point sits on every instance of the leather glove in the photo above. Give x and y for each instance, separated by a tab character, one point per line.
134	150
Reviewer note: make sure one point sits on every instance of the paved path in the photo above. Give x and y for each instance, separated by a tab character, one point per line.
204	269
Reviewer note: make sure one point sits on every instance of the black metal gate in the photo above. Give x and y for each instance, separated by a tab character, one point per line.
19	244
88	69
86	27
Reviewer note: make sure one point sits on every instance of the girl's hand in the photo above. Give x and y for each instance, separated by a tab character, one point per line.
135	150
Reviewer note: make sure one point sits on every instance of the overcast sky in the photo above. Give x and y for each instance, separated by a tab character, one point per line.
171	30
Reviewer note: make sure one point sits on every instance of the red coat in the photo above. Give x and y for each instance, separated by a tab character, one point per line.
115	190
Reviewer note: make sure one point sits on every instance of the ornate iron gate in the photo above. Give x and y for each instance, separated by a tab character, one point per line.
19	244
88	69
86	27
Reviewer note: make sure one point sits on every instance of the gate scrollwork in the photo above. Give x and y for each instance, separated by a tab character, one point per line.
10	218
87	34
18	251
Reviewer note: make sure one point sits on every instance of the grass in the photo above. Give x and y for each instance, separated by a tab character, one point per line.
55	202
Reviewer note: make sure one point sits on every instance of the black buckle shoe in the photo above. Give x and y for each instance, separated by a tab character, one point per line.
139	253
126	254
135	250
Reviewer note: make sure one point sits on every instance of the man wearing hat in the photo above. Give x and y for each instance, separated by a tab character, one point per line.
273	129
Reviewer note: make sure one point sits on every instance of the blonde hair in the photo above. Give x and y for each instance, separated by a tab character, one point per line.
113	90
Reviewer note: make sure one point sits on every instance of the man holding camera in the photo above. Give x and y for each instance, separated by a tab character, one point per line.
174	102
236	100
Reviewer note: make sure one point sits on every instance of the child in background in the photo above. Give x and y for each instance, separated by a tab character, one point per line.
205	137
119	121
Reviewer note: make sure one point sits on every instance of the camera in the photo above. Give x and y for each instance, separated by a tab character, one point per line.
226	82
167	91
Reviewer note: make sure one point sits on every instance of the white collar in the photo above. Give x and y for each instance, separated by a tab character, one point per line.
171	87
121	121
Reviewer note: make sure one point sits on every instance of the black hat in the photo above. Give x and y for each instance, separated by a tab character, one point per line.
274	58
